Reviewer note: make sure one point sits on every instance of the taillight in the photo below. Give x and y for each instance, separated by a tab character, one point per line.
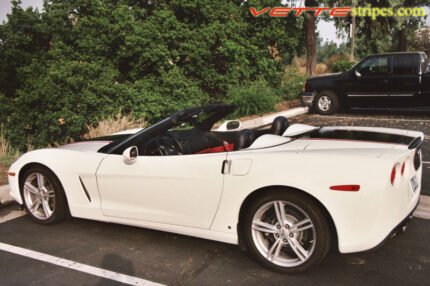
393	174
402	170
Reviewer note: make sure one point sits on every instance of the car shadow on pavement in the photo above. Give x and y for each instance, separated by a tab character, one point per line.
117	263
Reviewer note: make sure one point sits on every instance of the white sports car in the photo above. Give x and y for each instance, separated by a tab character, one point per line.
285	193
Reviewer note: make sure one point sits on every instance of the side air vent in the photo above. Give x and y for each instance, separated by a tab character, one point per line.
85	190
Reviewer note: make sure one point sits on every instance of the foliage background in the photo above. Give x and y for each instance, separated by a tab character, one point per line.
79	61
66	68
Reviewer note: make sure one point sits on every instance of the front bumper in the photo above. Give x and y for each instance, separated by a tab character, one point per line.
307	98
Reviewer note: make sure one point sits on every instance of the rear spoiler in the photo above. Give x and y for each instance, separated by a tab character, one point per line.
416	143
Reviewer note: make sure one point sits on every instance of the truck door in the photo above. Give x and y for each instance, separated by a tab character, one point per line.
369	86
404	80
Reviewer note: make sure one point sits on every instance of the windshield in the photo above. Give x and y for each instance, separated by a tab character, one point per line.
201	118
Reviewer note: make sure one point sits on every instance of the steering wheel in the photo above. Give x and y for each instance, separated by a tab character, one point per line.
171	147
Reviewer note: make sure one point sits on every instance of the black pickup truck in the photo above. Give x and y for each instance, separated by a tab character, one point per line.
382	80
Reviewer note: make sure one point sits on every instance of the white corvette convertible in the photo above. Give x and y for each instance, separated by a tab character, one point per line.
286	193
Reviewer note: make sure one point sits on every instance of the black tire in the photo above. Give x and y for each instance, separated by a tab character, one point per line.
55	197
326	103
319	233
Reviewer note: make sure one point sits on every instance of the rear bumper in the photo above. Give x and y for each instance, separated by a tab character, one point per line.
379	214
307	98
401	227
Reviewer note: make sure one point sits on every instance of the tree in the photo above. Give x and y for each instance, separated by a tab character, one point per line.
79	60
311	35
382	34
311	38
422	40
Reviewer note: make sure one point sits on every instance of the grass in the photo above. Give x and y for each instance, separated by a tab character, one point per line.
113	124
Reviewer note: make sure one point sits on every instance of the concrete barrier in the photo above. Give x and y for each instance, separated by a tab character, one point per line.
268	119
5	198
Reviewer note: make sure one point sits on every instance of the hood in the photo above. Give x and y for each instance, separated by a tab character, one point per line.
95	144
88	146
327	76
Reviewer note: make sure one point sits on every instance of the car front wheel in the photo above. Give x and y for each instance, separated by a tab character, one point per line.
43	196
286	231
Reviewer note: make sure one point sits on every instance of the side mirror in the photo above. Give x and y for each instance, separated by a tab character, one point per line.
357	73
230	125
233	125
130	155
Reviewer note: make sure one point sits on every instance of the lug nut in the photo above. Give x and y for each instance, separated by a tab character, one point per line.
276	235
285	240
278	226
291	235
287	226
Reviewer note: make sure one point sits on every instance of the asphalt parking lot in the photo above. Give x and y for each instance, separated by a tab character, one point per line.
180	260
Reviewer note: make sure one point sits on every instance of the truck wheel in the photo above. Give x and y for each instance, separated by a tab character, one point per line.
327	103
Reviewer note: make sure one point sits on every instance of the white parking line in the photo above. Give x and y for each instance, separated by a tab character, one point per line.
77	266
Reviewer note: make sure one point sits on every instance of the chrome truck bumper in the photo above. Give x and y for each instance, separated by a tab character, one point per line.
307	98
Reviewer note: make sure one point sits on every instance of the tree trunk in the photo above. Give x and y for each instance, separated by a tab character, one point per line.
352	38
311	47
402	44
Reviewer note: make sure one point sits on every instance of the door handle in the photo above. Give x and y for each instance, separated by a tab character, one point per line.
224	166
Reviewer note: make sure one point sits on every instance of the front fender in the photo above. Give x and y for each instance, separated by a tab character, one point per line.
69	166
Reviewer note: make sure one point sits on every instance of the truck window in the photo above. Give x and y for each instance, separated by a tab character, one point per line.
374	66
405	65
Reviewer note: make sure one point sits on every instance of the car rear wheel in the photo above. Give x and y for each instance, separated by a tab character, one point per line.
43	196
327	103
286	231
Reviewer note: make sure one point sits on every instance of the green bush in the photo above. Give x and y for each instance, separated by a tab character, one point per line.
256	98
77	62
342	65
292	84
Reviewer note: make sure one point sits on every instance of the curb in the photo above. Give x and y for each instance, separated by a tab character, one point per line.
268	119
5	198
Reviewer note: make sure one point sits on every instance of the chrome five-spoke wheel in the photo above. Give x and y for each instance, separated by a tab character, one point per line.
283	233
39	196
43	196
286	231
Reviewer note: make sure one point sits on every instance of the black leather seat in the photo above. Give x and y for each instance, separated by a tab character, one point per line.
244	139
279	125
